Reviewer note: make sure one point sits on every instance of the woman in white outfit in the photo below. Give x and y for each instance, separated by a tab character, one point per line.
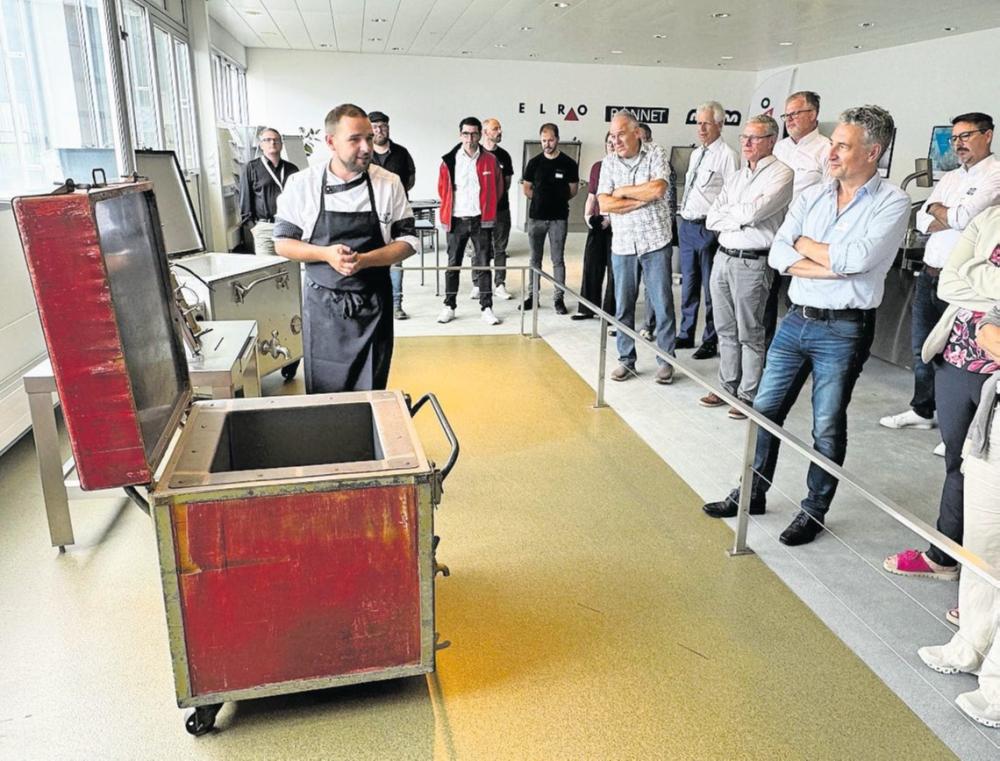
976	645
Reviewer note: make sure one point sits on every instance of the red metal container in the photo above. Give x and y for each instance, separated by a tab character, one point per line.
295	534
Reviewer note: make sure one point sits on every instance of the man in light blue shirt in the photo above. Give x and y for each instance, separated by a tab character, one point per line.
837	242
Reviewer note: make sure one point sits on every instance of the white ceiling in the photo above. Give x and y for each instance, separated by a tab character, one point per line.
589	30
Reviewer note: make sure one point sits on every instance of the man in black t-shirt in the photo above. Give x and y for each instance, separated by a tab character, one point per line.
550	180
492	134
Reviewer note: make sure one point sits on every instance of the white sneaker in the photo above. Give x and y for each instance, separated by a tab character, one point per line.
646	334
977	706
474	294
447	315
501	293
908	419
489	318
933	657
939	449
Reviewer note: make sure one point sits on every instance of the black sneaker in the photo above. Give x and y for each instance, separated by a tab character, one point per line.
802	530
707	350
560	307
684	343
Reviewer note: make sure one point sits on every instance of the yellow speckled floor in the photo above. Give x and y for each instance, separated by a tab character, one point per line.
592	610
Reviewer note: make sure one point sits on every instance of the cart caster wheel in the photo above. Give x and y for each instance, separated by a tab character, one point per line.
201	720
288	371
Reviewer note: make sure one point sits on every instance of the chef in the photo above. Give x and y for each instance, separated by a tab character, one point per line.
349	221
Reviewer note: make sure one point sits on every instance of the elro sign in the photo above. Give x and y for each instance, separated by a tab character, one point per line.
569	113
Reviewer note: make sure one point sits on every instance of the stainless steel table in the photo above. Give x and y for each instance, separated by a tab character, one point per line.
227	364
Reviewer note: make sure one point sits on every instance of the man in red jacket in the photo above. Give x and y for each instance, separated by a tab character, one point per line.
469	185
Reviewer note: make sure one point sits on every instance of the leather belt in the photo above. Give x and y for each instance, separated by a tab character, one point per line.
744	253
815	313
932	271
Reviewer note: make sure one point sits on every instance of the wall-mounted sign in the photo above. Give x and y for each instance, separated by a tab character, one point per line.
568	113
733	118
647	114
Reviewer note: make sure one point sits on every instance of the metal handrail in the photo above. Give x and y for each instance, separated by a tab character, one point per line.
968	559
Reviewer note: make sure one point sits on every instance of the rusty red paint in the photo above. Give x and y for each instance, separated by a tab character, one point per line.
301	586
67	270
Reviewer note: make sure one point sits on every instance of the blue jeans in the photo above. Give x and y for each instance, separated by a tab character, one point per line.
698	245
655	269
926	311
834	351
396	275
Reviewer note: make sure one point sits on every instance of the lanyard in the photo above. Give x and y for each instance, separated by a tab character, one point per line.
267	165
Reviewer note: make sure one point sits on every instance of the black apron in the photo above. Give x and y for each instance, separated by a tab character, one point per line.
347	321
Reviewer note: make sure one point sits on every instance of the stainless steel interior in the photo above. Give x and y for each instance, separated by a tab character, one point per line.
279	439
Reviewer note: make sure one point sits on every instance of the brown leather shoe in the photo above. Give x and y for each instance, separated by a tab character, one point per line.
711	400
735	414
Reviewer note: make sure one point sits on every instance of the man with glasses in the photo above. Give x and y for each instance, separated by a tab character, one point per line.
261	183
633	190
806	152
746	215
959	196
838	241
396	159
470	184
711	164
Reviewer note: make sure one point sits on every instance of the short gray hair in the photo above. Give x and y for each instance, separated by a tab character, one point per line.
718	112
628	116
767	121
876	123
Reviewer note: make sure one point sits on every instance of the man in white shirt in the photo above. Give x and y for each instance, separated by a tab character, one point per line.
746	215
960	195
806	152
711	164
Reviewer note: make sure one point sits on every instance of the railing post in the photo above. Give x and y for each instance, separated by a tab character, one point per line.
602	359
746	489
523	291
536	287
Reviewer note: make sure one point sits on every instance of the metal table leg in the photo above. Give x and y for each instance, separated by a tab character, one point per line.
50	468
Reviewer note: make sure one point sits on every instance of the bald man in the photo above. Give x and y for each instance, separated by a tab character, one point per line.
492	135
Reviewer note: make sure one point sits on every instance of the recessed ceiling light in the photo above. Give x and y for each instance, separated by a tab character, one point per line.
598	58
951	28
253	13
617	52
532	55
866	24
560	5
720	14
324	44
374	39
857	47
658	60
499	45
397	49
378	20
659	36
726	57
526	28
786	44
466	52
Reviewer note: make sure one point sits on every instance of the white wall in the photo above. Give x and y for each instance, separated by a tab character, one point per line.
922	84
226	43
425	98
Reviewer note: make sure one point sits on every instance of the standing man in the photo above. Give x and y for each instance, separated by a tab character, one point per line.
960	195
396	159
492	135
633	192
711	164
806	151
838	242
349	222
261	183
469	185
550	180
597	249
746	215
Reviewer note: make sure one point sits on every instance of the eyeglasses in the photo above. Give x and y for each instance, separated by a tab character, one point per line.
469	134
795	114
270	139
964	137
751	139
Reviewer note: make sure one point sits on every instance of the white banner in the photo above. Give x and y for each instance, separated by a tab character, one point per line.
769	98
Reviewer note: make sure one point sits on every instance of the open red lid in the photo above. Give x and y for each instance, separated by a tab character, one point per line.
99	271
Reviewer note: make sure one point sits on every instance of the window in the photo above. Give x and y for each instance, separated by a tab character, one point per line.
229	83
55	109
137	52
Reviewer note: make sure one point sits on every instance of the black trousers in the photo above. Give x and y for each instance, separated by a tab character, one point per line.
956	393
597	264
464	229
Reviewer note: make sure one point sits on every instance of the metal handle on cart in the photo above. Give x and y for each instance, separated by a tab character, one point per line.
241	290
448	431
